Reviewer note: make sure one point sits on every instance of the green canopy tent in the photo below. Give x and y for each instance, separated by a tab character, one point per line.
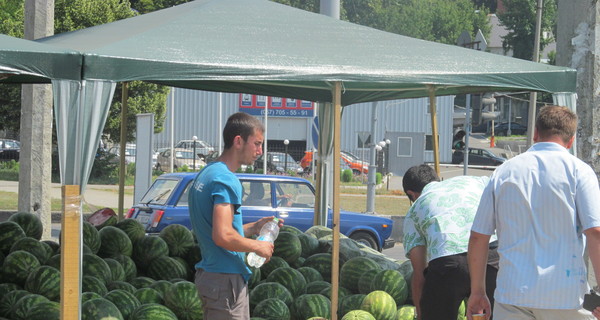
266	48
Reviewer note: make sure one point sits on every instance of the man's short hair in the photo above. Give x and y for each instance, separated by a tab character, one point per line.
417	177
240	124
556	121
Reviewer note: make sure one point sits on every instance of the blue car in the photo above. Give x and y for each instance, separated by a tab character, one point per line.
290	198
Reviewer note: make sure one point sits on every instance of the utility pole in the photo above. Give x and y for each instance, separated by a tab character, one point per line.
536	58
35	161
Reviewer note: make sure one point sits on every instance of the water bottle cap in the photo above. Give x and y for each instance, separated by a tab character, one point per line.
276	220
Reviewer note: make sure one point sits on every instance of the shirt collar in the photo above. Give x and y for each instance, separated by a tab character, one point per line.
547	146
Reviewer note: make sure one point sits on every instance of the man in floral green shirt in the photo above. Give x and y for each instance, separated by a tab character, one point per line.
436	237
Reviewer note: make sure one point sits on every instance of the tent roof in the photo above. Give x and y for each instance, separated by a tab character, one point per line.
27	61
267	48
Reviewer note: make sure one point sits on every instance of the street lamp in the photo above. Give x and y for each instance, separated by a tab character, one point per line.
286	142
195	155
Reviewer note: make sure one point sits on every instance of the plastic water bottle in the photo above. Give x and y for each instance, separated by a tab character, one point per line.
268	232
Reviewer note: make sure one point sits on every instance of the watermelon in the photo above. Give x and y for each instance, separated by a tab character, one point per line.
46	310
268	290
183	299
366	280
100	308
193	256
114	241
274	263
126	286
178	238
10	232
380	304
297	263
91	237
93	265
89	296
30	223
166	268
392	282
102	218
128	265
290	278
317	286
406	312
320	262
349	303
93	284
147	249
44	281
358	315
8	287
189	271
39	249
142	282
9	300
125	301
116	270
18	265
342	292
290	229
54	262
152	311
162	286
352	270
310	274
310	245
287	246
22	306
133	228
311	305
148	295
254	278
55	246
272	309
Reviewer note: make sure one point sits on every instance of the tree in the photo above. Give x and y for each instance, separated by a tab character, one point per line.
519	18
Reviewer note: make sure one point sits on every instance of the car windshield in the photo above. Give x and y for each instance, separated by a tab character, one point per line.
300	194
281	158
160	191
184	154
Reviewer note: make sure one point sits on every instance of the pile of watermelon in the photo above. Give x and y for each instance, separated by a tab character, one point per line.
131	276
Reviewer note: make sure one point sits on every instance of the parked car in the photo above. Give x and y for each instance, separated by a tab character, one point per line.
202	148
182	157
478	156
278	162
166	202
501	129
351	161
9	149
129	152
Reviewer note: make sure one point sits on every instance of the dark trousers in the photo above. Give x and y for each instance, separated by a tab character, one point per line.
447	284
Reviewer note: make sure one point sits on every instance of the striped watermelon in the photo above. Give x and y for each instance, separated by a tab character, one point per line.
290	229
30	223
148	295
272	309
89	296
9	300
311	305
100	308
310	245
349	303
122	285
392	282
406	312
18	265
366	280
310	274
125	301
39	249
342	292
320	262
166	268
183	299
358	315
102	218
133	228
162	286
254	278
128	265
268	290
380	304
147	249
297	263
91	237
44	281
287	246
93	284
142	282
190	272
290	278
21	307
193	256
8	287
274	263
10	232
114	241
116	270
93	265
55	246
352	270
317	286
178	238
47	310
152	311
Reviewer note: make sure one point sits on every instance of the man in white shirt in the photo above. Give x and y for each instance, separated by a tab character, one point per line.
540	204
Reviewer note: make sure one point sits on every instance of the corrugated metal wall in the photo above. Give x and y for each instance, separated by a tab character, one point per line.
197	113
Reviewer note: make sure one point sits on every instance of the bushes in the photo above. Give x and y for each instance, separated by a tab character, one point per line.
9	170
347	175
378	178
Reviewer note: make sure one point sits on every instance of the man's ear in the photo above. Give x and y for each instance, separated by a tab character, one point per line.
570	143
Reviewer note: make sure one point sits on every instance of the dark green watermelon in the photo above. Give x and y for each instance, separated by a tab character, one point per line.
148	295
89	296
128	265
310	245
349	303
162	286
47	310
54	262
116	270
91	237
380	304
290	278
317	286
114	241
44	281
182	298
55	246
166	268
268	290
93	265
142	282
178	238
272	309
9	300
30	223
93	284
121	285
125	301
310	274
10	232
287	246
311	305
21	307
39	249
392	282
18	265
100	308
274	263
354	268
133	228
152	311
147	249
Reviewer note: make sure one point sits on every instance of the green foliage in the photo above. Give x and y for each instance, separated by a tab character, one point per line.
72	15
145	6
378	178
519	18
9	170
347	175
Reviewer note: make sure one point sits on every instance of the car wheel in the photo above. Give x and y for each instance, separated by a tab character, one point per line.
365	238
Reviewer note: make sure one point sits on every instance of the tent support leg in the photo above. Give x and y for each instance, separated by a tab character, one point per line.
122	168
434	128
335	252
70	258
